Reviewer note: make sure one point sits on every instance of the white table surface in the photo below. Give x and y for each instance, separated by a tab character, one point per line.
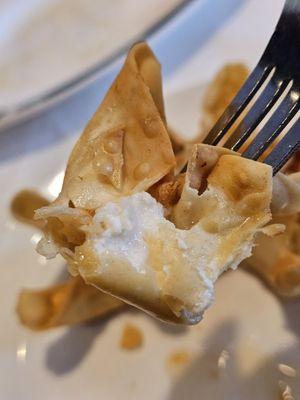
247	320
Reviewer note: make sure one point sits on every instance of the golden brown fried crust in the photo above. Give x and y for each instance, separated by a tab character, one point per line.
239	182
111	158
276	259
168	192
178	144
203	159
24	204
132	338
220	92
182	150
230	213
126	149
69	303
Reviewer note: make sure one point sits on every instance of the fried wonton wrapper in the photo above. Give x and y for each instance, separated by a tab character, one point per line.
110	223
112	156
277	259
24	204
181	148
220	92
227	199
175	279
69	303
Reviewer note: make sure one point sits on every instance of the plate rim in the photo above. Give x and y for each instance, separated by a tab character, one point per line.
23	110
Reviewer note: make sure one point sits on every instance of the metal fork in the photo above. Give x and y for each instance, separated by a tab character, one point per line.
282	59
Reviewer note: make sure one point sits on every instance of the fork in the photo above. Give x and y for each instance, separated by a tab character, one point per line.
280	63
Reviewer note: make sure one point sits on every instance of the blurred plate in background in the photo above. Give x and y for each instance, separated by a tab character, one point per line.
49	47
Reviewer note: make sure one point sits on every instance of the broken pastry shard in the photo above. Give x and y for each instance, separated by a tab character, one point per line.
133	252
202	160
69	303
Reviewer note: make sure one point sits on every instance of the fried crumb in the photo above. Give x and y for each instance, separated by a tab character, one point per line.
178	360
24	204
132	338
220	92
287	370
168	193
222	360
285	391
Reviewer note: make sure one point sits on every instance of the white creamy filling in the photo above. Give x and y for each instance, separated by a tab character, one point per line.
134	233
124	226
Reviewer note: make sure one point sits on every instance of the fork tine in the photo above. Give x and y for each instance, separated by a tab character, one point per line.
279	120
238	104
257	113
288	145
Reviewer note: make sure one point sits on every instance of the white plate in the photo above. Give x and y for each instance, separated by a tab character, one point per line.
255	329
45	43
50	49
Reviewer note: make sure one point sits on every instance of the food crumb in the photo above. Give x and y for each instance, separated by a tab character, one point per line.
220	92
287	370
178	360
285	391
132	338
222	360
